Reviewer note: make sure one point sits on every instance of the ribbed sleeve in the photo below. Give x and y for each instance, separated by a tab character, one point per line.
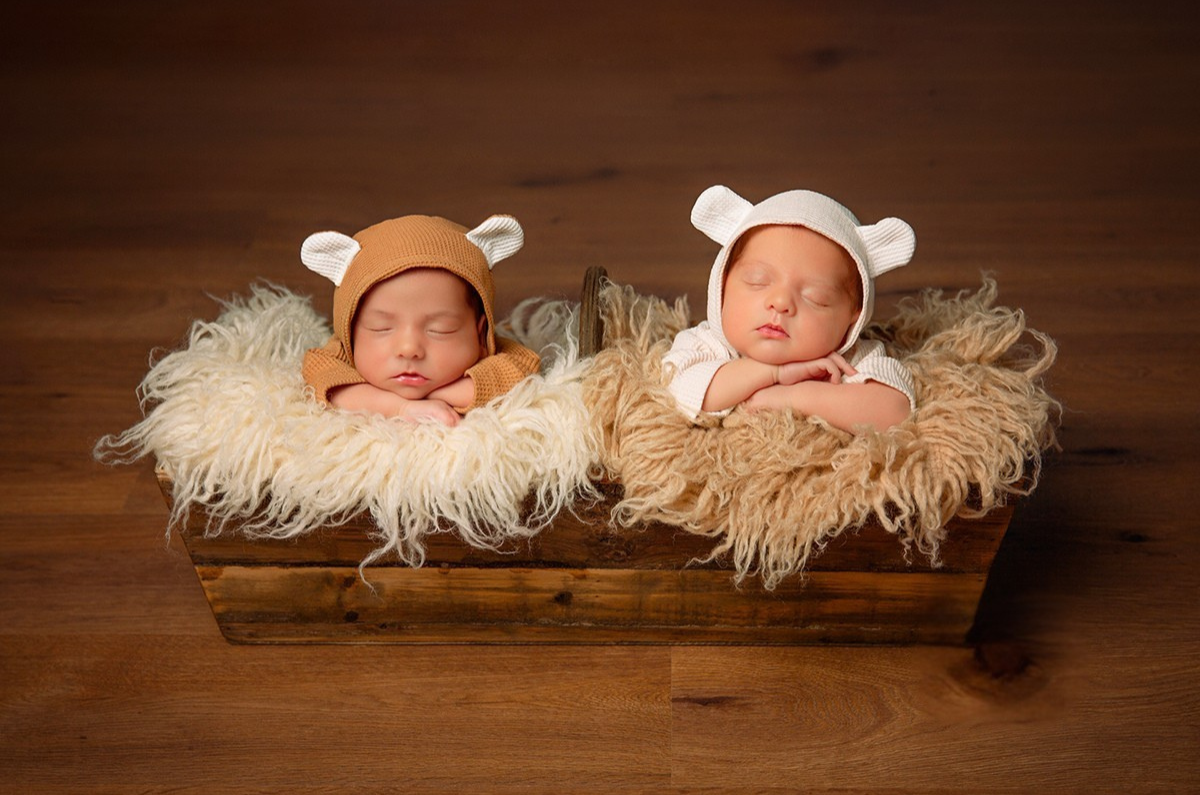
328	368
873	364
496	374
694	358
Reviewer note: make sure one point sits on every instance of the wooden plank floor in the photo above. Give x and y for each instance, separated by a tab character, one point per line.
156	154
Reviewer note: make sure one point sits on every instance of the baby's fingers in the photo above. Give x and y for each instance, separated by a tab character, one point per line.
446	415
833	370
843	365
436	410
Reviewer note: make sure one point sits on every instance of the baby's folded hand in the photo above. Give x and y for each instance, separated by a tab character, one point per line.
429	409
829	368
773	397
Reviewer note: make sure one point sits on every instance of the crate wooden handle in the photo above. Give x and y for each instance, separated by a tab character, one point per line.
591	324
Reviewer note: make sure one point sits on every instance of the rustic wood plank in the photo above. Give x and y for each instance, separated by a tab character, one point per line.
586	538
582	580
569	542
446	605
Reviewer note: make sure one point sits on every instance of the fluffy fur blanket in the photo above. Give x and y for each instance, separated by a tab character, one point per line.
775	487
228	418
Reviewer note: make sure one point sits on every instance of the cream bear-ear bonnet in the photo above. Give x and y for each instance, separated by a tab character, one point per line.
356	264
876	248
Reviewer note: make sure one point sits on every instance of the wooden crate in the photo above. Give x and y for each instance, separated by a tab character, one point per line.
584	581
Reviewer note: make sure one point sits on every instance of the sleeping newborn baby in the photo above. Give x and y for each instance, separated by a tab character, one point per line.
412	317
788	295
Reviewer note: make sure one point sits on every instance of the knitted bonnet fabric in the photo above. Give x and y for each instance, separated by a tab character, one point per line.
876	249
389	248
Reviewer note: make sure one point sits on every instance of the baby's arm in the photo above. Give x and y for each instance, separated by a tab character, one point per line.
459	394
496	375
841	405
364	397
739	380
735	381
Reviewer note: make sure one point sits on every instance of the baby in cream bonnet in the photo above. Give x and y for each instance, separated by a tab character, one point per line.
790	292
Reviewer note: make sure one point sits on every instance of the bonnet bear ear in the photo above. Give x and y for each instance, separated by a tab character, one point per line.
499	237
329	254
718	212
890	245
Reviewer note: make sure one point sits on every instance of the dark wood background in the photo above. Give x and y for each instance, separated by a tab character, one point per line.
157	154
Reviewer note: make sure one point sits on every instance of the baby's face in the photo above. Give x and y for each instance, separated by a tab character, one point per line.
790	295
417	332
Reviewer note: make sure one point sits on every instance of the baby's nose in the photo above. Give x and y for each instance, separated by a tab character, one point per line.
780	302
409	347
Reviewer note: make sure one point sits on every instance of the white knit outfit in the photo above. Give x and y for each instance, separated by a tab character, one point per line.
698	352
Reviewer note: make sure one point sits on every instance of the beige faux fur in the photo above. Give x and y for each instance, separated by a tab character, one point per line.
228	418
773	488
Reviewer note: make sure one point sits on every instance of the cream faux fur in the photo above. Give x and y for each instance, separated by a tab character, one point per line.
774	488
228	418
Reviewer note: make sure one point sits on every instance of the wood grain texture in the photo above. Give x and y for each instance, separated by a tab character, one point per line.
324	604
591	324
586	537
155	156
584	580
